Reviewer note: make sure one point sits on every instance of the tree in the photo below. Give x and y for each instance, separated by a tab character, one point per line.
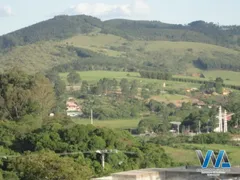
134	88
73	77
16	98
59	85
219	88
124	84
84	87
145	93
48	165
219	80
44	94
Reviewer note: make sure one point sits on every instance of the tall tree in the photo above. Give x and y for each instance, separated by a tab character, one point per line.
44	94
219	85
125	87
134	88
84	87
73	77
58	83
15	99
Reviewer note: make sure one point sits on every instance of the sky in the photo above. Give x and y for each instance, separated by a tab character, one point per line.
16	14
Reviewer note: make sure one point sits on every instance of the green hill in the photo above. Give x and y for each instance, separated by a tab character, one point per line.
197	31
87	43
173	56
57	28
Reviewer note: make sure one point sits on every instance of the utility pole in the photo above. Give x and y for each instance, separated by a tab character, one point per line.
105	151
208	126
91	116
199	127
103	161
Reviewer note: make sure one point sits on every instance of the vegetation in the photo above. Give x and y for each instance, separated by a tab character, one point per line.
83	43
111	123
197	31
59	27
73	78
132	74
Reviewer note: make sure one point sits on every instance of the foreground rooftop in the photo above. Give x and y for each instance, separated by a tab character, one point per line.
180	173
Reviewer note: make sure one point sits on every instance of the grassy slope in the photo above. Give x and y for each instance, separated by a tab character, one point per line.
170	53
43	55
36	57
189	156
101	41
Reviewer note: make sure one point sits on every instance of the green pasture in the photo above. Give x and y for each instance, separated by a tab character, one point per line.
94	76
229	77
114	123
185	153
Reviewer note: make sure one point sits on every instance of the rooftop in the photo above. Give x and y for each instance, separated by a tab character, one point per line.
163	174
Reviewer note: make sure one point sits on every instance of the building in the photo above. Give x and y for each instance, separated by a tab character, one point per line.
226	92
180	173
73	109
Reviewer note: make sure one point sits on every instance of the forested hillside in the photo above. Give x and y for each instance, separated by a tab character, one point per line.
59	27
198	31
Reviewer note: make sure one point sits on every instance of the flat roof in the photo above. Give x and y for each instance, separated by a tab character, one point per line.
183	169
233	170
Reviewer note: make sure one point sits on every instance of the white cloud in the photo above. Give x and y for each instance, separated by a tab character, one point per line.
5	11
106	11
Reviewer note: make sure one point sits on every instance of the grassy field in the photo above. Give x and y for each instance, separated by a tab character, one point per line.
189	156
115	123
98	41
182	155
94	76
172	98
229	77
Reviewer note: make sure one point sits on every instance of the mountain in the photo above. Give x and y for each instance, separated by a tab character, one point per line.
58	28
85	42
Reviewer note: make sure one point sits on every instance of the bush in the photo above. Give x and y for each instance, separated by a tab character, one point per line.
212	138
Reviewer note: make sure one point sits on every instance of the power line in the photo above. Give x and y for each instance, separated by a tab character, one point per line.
102	152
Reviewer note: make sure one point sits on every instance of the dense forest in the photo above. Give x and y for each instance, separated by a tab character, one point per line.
197	31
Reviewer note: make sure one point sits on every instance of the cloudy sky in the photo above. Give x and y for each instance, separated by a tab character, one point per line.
15	14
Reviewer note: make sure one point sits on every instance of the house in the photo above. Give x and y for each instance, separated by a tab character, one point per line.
191	89
199	104
226	92
73	109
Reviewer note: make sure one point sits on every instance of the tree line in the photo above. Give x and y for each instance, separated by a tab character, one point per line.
156	75
168	76
227	63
